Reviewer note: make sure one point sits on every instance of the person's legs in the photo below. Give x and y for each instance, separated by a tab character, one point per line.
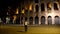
25	28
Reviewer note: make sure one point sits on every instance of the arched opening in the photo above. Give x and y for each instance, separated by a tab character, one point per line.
55	6
31	20
26	12
49	6
49	20
17	20
37	8
42	7
25	18
21	20
36	20
56	20
42	20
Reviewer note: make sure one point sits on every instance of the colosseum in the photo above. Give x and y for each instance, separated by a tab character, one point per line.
39	12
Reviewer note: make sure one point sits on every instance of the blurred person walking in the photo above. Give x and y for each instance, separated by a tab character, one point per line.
25	26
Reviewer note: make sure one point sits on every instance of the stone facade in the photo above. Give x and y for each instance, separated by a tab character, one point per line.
42	12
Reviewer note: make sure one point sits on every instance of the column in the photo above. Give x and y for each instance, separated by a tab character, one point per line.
39	19
33	12
45	4
53	20
46	21
33	20
20	19
39	12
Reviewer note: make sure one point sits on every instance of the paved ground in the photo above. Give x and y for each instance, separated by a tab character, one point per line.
9	29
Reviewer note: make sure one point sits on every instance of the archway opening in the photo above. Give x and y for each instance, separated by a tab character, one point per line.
36	20
31	20
49	20
43	20
56	19
21	20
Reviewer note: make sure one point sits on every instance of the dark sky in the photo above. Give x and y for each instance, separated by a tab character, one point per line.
5	3
12	3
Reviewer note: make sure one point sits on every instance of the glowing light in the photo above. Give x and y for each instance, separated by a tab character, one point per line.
16	11
14	17
49	5
22	11
30	7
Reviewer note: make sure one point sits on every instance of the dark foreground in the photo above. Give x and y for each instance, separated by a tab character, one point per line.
42	29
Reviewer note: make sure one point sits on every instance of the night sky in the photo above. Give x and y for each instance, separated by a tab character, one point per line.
5	3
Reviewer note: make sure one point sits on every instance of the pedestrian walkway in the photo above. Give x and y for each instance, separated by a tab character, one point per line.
31	30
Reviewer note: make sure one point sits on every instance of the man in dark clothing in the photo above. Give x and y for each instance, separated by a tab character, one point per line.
25	25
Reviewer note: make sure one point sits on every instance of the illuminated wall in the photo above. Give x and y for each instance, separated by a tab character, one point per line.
38	8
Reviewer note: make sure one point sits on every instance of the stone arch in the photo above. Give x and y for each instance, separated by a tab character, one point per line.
26	18
49	20
31	20
21	20
36	20
56	19
37	8
55	6
43	20
42	7
49	6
